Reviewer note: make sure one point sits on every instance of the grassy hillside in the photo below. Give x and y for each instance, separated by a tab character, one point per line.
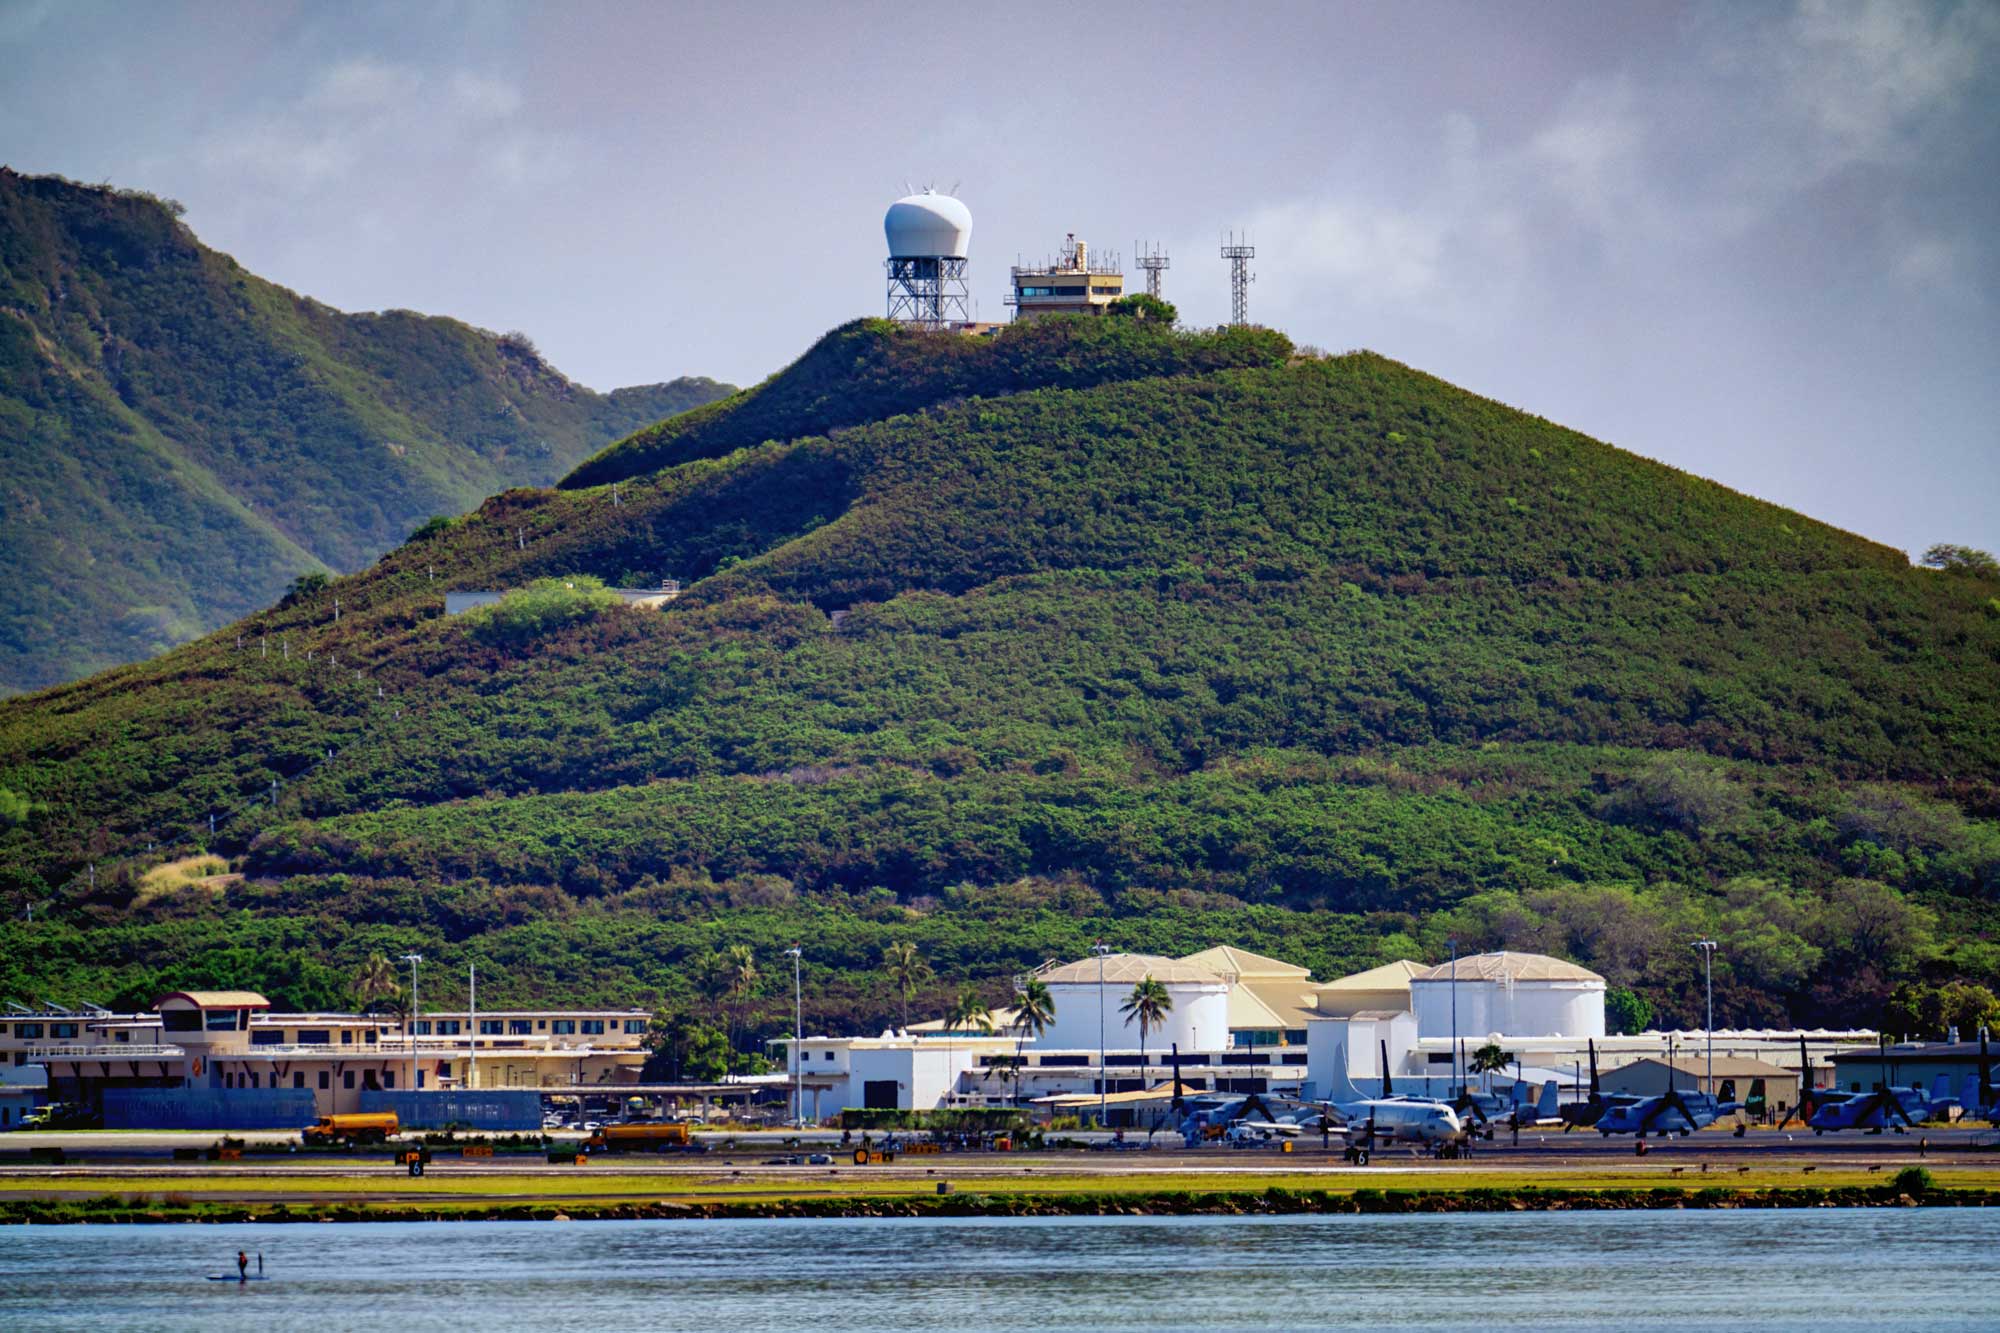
179	439
1200	641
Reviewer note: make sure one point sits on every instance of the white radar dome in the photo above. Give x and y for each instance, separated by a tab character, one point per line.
928	225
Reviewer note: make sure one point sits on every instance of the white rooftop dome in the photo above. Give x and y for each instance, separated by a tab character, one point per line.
928	225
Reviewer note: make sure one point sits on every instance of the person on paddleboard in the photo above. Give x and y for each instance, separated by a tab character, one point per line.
242	1266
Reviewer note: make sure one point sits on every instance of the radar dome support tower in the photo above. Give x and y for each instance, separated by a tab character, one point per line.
1240	278
929	234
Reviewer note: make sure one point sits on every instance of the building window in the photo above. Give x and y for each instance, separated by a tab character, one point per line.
389	1079
325	1080
298	1080
30	1031
449	1027
222	1020
179	1020
491	1027
372	1034
347	1037
563	1027
62	1029
347	1078
520	1027
593	1027
635	1025
829	1055
541	1022
315	1036
268	1037
422	1027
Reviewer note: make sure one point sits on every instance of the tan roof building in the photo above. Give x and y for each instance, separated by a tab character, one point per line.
1229	961
1508	966
1127	969
1379	988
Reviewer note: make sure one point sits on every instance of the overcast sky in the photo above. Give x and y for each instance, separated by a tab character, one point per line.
1757	241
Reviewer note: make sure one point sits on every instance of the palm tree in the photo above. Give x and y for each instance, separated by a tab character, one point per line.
1489	1059
908	972
967	1011
1150	1003
375	981
740	967
1035	1011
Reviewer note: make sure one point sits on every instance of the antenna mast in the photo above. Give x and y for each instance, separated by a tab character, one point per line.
1239	256
1155	263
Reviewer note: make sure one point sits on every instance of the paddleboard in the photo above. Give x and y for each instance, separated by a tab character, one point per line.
231	1277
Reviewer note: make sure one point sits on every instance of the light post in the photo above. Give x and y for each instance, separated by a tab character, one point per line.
1456	1077
413	959
1100	949
798	1035
1707	948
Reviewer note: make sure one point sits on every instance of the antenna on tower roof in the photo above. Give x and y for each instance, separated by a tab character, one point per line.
1155	263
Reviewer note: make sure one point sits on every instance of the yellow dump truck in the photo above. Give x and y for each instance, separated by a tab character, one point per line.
356	1127
662	1136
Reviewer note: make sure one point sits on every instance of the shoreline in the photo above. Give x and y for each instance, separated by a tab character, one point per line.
111	1209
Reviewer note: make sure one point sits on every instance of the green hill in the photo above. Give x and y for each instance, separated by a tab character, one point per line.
1092	630
180	439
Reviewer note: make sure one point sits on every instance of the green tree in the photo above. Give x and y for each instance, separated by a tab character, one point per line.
1144	306
1488	1060
544	606
1626	1011
14	809
1148	1005
375	981
1962	560
908	973
1034	1010
309	584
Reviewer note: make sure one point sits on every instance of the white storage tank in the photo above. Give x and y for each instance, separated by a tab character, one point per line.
1511	994
1199	1020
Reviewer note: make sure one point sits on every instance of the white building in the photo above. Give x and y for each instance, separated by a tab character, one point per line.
1518	994
1089	993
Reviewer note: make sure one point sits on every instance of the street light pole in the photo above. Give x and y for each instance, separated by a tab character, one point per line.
1100	949
1455	1076
798	1035
413	959
1707	948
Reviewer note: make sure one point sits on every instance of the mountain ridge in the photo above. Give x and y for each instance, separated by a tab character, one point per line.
207	436
1321	656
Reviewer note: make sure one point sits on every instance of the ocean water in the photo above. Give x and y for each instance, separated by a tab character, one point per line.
1819	1269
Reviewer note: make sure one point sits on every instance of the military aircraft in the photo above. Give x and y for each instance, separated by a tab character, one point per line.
1392	1118
1586	1114
1672	1112
1811	1100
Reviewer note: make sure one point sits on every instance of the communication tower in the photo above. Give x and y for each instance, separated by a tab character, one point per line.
1239	256
1155	263
929	234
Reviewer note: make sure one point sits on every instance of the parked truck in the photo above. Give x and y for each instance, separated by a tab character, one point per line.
354	1127
659	1136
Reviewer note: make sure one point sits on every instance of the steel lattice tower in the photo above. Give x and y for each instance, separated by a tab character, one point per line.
1155	263
1240	278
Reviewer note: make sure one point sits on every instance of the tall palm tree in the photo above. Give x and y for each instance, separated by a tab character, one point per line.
1150	1003
1490	1059
375	981
1033	1013
967	1011
908	973
741	969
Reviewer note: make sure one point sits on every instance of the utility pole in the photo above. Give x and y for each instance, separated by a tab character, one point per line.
1100	949
1239	254
413	959
1707	948
1454	1014
472	1024
798	1035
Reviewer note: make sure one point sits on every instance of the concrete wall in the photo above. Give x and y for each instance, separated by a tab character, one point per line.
1344	1057
208	1108
1199	1021
497	1109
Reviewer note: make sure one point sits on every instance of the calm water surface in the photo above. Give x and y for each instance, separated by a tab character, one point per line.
1820	1270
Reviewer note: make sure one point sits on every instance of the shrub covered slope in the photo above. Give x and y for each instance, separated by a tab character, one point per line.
1108	632
179	439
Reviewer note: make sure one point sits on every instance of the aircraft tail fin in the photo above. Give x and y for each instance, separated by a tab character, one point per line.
1547	1108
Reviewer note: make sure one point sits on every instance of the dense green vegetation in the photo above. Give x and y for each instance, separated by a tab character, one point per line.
1091	630
178	438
